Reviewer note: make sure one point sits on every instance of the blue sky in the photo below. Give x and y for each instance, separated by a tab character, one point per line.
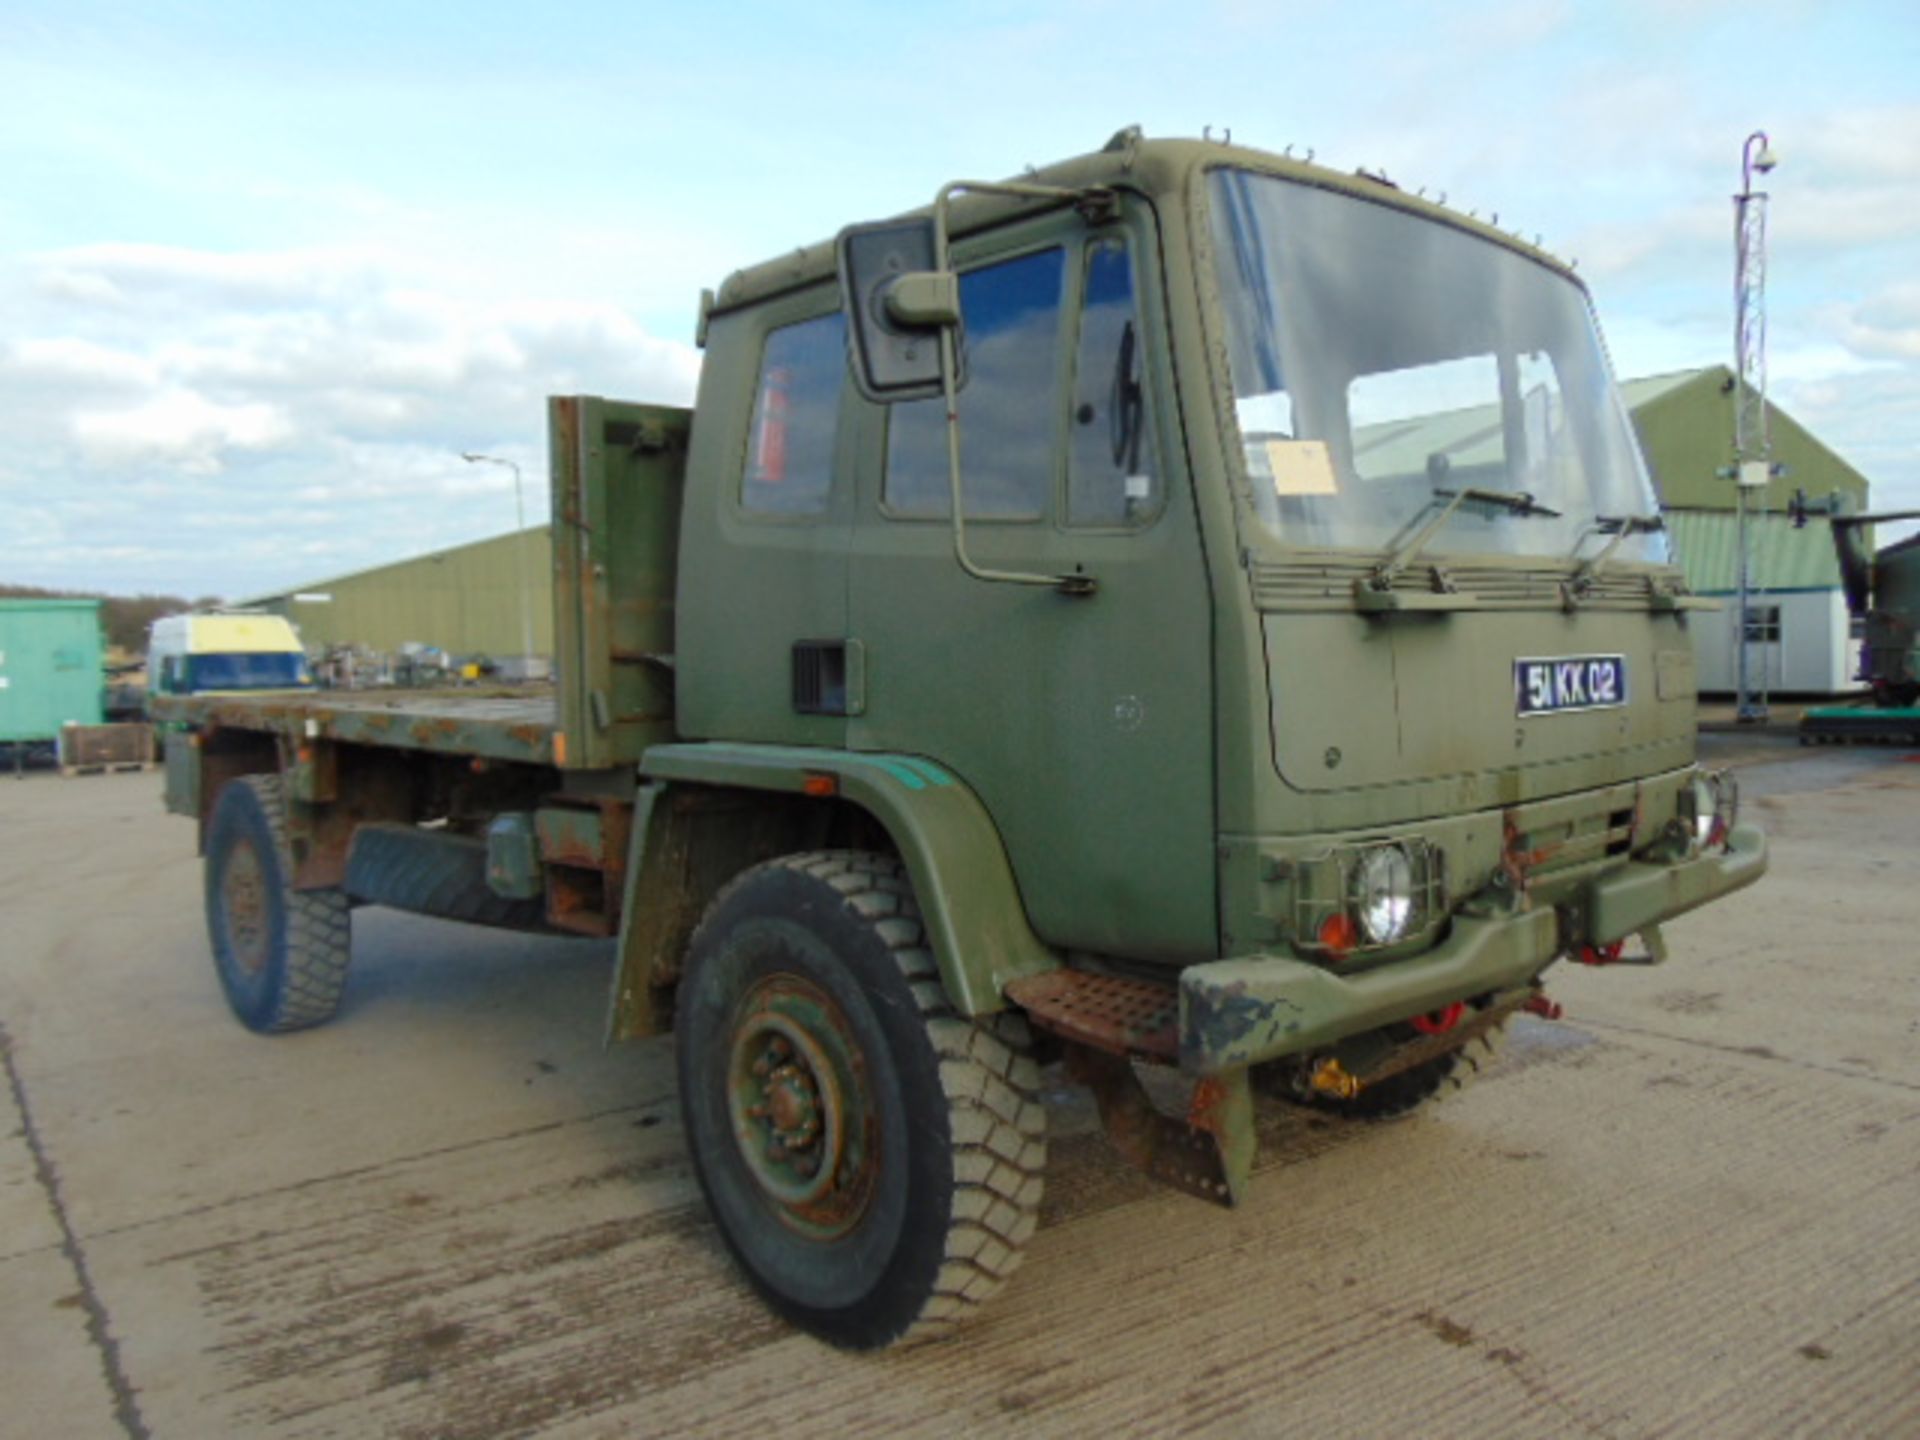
265	270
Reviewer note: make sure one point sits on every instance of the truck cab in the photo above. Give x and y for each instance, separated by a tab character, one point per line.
1377	627
225	652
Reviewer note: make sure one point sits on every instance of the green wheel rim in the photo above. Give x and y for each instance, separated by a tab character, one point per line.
802	1113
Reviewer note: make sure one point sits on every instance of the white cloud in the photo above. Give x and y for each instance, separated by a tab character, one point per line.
362	362
1876	142
178	427
237	277
332	317
1615	247
82	287
71	362
314	400
1814	362
1845	217
1517	24
1873	332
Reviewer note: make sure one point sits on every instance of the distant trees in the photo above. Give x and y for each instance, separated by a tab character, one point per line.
123	618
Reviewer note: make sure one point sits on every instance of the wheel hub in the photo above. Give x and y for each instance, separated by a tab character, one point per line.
243	898
793	1106
802	1117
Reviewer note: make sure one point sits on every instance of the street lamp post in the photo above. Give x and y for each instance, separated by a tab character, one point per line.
520	549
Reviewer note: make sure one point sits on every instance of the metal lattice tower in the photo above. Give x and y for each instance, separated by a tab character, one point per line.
1752	444
1750	438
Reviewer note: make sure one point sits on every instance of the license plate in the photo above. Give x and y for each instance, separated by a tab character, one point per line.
1571	682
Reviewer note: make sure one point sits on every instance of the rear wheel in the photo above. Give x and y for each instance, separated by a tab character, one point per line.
281	953
874	1161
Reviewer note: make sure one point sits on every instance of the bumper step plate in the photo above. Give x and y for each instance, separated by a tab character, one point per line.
1106	1012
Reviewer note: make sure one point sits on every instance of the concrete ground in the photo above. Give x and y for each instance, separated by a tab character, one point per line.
1692	1208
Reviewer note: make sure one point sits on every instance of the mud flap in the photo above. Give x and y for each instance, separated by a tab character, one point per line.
1209	1154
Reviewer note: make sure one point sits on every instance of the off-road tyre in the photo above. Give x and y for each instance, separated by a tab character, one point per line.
1438	1079
924	1217
445	877
281	953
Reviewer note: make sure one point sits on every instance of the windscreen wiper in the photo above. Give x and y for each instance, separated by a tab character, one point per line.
1619	527
1519	502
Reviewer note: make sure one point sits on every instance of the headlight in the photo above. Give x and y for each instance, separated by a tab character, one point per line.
1383	894
1716	805
1706	800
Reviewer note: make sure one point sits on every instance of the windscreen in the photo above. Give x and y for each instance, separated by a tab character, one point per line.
1382	362
272	671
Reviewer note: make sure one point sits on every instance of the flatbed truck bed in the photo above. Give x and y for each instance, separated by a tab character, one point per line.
516	724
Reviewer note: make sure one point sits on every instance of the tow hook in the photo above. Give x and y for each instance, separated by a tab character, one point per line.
1611	954
1440	1021
1539	1004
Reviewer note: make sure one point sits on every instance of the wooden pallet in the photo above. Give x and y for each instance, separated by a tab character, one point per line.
122	767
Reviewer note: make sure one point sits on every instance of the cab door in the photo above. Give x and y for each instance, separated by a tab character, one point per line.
762	618
1083	722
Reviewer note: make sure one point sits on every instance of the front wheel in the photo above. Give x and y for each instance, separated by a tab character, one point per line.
874	1161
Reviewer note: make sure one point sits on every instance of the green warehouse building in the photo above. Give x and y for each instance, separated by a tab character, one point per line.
468	600
1803	638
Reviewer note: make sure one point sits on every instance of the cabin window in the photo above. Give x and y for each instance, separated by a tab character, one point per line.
1112	479
1010	316
790	448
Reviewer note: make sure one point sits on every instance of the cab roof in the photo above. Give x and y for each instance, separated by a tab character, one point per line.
1155	168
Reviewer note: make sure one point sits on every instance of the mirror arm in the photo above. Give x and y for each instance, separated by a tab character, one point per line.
950	365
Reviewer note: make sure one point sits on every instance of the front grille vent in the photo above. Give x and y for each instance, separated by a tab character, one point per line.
1329	585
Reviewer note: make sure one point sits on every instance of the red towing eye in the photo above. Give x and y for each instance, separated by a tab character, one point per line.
1600	954
1440	1021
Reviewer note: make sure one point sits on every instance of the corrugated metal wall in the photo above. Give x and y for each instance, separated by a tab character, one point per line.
466	600
1708	545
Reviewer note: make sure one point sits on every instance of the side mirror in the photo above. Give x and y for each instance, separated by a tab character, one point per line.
897	304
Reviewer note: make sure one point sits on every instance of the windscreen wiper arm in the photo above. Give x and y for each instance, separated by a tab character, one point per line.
1619	527
1520	502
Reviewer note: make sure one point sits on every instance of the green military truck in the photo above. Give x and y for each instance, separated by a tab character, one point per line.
1185	608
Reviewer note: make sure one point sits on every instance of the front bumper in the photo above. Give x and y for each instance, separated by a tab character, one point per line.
1255	1008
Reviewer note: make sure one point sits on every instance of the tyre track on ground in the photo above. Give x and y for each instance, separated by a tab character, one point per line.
126	1408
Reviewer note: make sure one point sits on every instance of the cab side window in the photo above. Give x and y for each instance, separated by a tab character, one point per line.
790	448
1011	321
1112	479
